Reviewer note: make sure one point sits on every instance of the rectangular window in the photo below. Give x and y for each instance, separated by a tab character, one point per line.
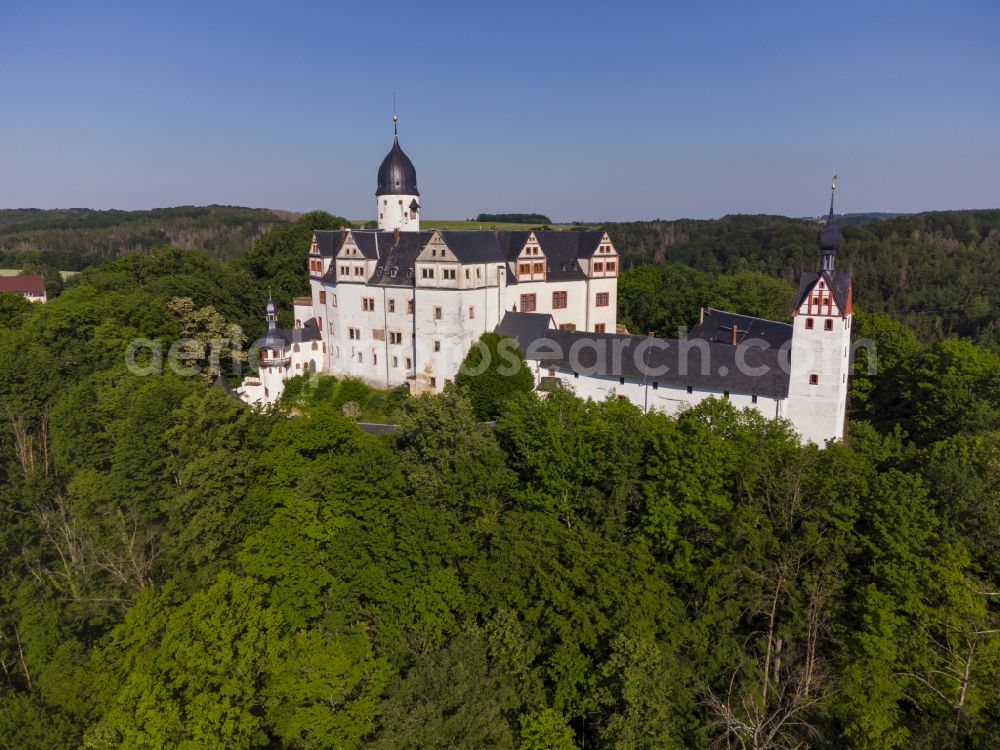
378	334
479	273
354	334
809	324
603	298
528	303
828	325
466	273
409	307
524	268
472	313
814	380
427	273
598	268
331	329
333	300
395	337
690	389
449	274
558	300
538	268
567	326
345	270
599	327
322	298
753	399
437	346
655	385
395	361
368	304
434	382
392	305
609	267
409	363
359	270
437	313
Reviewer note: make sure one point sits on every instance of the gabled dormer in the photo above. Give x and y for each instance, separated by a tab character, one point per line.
603	261
436	265
531	263
351	264
826	294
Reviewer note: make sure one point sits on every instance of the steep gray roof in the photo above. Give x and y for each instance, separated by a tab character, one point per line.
527	327
752	370
329	241
398	257
838	281
474	246
396	174
717	326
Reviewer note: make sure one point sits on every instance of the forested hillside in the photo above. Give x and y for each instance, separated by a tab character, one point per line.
71	239
937	272
177	570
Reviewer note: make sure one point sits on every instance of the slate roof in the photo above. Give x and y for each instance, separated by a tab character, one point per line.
396	174
838	281
717	326
399	257
527	327
689	362
562	250
474	246
22	284
329	241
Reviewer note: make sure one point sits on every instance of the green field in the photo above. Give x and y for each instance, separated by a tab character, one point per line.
463	224
17	272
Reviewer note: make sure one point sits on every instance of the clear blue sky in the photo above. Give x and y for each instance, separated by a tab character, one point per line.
575	109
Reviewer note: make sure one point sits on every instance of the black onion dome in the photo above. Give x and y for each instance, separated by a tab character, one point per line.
830	237
397	176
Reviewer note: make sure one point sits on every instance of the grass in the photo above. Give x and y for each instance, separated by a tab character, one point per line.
463	224
17	272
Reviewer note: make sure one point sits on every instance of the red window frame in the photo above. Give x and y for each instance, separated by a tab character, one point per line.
603	299
529	303
559	300
600	328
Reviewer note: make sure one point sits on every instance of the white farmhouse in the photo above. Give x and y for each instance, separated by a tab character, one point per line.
400	306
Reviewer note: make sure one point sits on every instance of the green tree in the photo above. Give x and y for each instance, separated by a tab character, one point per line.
492	371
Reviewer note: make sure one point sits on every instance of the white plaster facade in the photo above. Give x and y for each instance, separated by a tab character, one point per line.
399	306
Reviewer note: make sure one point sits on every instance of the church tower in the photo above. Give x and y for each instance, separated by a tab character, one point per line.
821	343
397	197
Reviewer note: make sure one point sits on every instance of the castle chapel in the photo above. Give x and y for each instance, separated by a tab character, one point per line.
399	305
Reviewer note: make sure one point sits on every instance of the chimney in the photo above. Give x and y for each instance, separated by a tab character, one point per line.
734	333
343	234
395	236
701	317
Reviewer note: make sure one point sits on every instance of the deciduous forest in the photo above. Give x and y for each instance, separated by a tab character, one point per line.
177	570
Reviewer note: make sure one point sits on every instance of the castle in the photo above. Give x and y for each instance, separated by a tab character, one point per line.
401	306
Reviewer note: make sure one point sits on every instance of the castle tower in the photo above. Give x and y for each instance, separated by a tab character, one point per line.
821	343
274	356
397	204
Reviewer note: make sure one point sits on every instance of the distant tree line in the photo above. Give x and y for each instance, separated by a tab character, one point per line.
514	218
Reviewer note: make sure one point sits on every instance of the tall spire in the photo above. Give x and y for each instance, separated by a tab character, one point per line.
830	238
833	191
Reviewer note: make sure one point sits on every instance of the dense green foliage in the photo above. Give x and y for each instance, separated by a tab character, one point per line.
177	570
70	239
535	219
492	372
